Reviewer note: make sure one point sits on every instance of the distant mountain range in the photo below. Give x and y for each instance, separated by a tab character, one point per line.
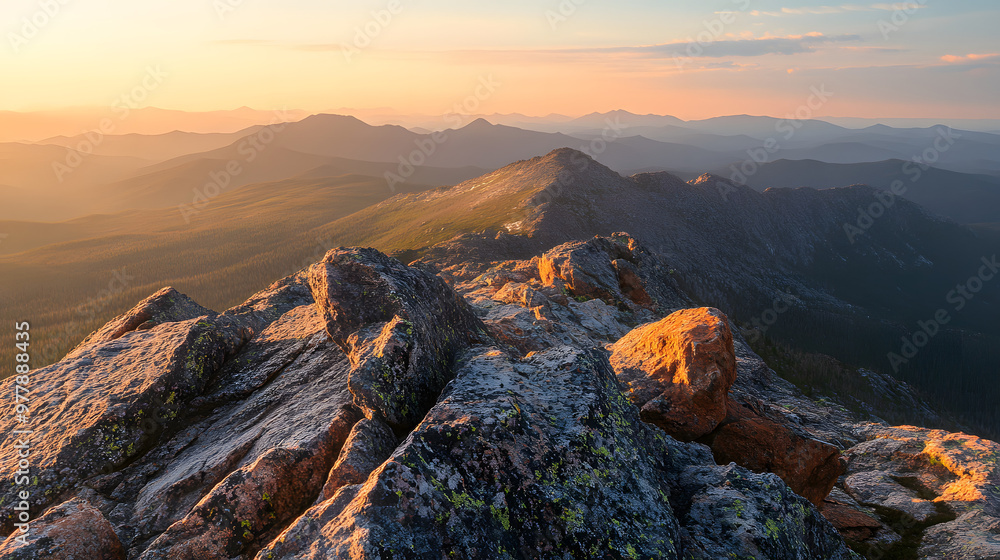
64	177
965	198
36	126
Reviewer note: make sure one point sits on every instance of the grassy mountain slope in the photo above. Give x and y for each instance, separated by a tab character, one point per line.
97	267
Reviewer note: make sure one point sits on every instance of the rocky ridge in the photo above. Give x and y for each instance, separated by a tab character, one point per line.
781	259
366	409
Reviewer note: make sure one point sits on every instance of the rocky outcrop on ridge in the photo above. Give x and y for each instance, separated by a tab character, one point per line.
678	371
940	490
543	457
366	409
401	328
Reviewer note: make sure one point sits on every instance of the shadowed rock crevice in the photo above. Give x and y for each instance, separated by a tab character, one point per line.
402	329
369	444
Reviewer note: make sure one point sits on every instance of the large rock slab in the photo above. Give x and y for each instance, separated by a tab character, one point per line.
401	327
974	535
617	269
110	402
678	371
74	530
255	500
250	461
944	487
520	459
882	489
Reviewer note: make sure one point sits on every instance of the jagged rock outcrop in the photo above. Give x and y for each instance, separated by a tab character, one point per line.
615	269
939	490
165	306
282	446
108	403
74	530
401	328
545	457
258	402
531	315
518	459
522	310
678	371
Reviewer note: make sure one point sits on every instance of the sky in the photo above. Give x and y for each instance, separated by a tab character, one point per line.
691	59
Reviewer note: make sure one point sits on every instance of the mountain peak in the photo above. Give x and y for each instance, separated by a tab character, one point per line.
479	124
709	178
330	118
566	156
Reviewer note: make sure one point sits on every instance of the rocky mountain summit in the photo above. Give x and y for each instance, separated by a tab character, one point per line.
850	272
575	403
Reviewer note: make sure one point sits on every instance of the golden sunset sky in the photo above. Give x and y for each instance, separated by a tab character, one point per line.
688	59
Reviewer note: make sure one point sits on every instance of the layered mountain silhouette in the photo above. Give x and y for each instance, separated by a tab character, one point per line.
67	177
963	197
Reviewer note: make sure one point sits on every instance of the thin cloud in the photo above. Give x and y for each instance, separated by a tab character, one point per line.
880	50
793	44
969	58
842	9
308	47
244	43
749	47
